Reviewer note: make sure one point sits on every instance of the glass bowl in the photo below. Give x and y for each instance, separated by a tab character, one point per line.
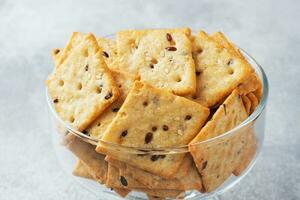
254	123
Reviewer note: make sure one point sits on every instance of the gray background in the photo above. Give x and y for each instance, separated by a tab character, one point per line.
269	30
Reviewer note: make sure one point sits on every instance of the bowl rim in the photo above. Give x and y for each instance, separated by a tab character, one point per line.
182	148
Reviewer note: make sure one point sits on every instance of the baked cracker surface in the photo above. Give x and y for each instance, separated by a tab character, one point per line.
162	58
218	70
217	159
82	87
136	125
252	83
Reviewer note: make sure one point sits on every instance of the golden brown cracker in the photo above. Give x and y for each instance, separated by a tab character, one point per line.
162	58
217	159
218	70
123	80
180	120
82	87
179	117
252	83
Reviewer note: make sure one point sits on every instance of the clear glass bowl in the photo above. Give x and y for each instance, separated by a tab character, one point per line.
255	122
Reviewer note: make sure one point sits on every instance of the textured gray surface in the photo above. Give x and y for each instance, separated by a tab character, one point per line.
269	30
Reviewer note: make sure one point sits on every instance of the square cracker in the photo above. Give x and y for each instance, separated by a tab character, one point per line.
82	87
182	181
252	83
218	70
217	159
82	170
123	80
180	120
97	166
162	58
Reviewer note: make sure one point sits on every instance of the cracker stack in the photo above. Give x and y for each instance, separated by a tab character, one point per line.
154	89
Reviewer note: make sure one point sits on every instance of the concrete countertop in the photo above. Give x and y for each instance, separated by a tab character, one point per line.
268	30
